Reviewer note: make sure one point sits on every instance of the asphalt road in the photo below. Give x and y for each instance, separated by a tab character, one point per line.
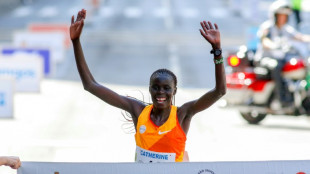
78	127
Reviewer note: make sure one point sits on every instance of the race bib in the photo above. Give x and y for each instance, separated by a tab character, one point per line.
146	156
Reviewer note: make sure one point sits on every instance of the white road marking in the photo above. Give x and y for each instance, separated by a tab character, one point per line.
219	13
133	12
190	13
48	11
106	12
22	11
161	12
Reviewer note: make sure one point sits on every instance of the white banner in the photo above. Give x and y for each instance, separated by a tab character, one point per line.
44	54
54	41
6	97
52	27
27	72
256	167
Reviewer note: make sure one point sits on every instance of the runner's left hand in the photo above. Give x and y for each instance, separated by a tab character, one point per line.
211	34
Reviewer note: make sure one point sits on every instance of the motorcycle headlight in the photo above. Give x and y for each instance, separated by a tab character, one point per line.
293	61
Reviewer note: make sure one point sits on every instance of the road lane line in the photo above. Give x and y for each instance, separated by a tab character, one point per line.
48	11
106	12
133	12
189	13
22	11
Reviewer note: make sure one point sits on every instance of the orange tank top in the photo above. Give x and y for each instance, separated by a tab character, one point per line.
165	143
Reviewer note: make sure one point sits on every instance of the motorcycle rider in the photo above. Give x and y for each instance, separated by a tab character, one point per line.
275	35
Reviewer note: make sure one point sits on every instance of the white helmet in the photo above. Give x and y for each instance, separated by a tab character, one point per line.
280	7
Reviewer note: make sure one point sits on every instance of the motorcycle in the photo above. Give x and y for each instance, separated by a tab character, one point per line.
251	90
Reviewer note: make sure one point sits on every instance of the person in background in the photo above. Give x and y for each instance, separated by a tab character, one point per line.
296	7
12	161
276	36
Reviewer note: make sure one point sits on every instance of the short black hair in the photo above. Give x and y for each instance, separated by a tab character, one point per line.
165	72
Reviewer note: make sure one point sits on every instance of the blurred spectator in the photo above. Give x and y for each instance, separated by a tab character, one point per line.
296	7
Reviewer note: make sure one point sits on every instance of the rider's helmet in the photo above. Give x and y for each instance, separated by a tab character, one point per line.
280	7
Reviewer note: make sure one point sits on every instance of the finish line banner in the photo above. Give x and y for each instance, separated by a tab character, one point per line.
259	167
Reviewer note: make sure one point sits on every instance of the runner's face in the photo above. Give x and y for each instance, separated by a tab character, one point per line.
162	89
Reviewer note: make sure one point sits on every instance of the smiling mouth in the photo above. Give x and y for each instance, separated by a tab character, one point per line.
160	100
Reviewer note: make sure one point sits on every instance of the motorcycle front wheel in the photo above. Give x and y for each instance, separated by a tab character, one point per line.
253	117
